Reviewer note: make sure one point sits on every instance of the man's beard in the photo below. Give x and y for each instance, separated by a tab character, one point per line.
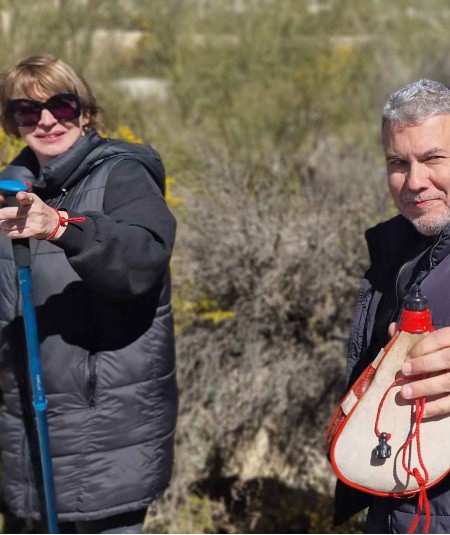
432	227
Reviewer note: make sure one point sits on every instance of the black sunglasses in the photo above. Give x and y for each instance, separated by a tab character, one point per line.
27	112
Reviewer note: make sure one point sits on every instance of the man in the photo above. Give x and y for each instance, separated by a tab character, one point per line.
413	247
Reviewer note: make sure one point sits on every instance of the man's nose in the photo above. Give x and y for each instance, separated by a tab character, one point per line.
418	176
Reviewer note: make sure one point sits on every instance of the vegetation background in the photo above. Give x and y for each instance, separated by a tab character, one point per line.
266	113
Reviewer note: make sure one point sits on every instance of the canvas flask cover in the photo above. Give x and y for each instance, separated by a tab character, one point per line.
377	440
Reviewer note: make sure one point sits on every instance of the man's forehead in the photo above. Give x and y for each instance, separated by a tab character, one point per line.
425	122
431	134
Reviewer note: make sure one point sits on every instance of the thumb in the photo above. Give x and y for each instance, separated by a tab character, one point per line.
25	198
393	329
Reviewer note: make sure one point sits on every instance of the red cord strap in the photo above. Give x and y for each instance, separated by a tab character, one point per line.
63	221
423	505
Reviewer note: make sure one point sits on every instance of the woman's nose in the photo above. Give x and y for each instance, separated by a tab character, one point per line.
47	118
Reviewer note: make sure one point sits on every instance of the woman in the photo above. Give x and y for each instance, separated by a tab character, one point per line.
101	240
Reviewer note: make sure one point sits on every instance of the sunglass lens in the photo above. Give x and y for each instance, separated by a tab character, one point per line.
64	107
26	113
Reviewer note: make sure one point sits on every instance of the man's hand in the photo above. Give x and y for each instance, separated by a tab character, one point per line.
393	328
430	356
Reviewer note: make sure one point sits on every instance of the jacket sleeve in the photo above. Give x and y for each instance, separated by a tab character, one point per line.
124	252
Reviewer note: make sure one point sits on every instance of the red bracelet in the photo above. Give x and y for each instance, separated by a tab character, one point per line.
63	221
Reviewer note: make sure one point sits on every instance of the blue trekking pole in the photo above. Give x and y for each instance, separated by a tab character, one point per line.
22	259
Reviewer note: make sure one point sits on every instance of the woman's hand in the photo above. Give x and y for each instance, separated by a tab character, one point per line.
31	219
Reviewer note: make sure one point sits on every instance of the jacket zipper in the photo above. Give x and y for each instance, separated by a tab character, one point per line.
396	291
91	380
400	272
432	250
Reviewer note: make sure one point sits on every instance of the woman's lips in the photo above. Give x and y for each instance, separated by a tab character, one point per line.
50	138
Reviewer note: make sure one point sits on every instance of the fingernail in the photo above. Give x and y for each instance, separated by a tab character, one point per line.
407	368
406	391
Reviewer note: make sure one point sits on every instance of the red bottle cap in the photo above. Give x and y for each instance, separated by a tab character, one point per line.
415	317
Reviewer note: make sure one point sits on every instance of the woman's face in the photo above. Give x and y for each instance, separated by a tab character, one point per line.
50	137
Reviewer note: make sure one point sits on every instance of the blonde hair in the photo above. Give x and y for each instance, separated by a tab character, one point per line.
49	75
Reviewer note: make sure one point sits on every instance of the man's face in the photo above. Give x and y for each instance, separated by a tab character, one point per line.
418	170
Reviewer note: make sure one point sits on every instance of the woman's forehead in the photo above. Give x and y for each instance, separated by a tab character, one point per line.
34	91
38	87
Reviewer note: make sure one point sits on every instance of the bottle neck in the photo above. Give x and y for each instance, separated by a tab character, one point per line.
416	321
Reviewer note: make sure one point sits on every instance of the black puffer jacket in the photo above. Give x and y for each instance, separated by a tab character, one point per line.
399	257
102	299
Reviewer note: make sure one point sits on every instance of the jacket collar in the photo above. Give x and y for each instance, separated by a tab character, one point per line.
440	247
66	170
396	240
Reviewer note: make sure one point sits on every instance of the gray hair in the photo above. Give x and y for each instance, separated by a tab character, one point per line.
416	102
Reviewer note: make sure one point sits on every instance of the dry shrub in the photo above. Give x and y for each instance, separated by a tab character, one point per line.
285	253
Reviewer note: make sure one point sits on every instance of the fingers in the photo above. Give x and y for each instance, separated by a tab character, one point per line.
14	227
430	354
437	407
435	389
392	330
429	386
26	199
436	361
31	219
429	359
14	218
434	341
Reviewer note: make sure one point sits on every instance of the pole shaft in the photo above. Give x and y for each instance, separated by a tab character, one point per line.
39	399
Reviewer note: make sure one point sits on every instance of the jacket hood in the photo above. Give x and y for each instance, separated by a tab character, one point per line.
66	170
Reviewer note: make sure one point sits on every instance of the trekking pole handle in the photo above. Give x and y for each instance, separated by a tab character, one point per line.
21	246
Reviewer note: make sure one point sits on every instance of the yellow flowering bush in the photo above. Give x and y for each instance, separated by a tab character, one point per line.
125	133
170	198
191	307
9	147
